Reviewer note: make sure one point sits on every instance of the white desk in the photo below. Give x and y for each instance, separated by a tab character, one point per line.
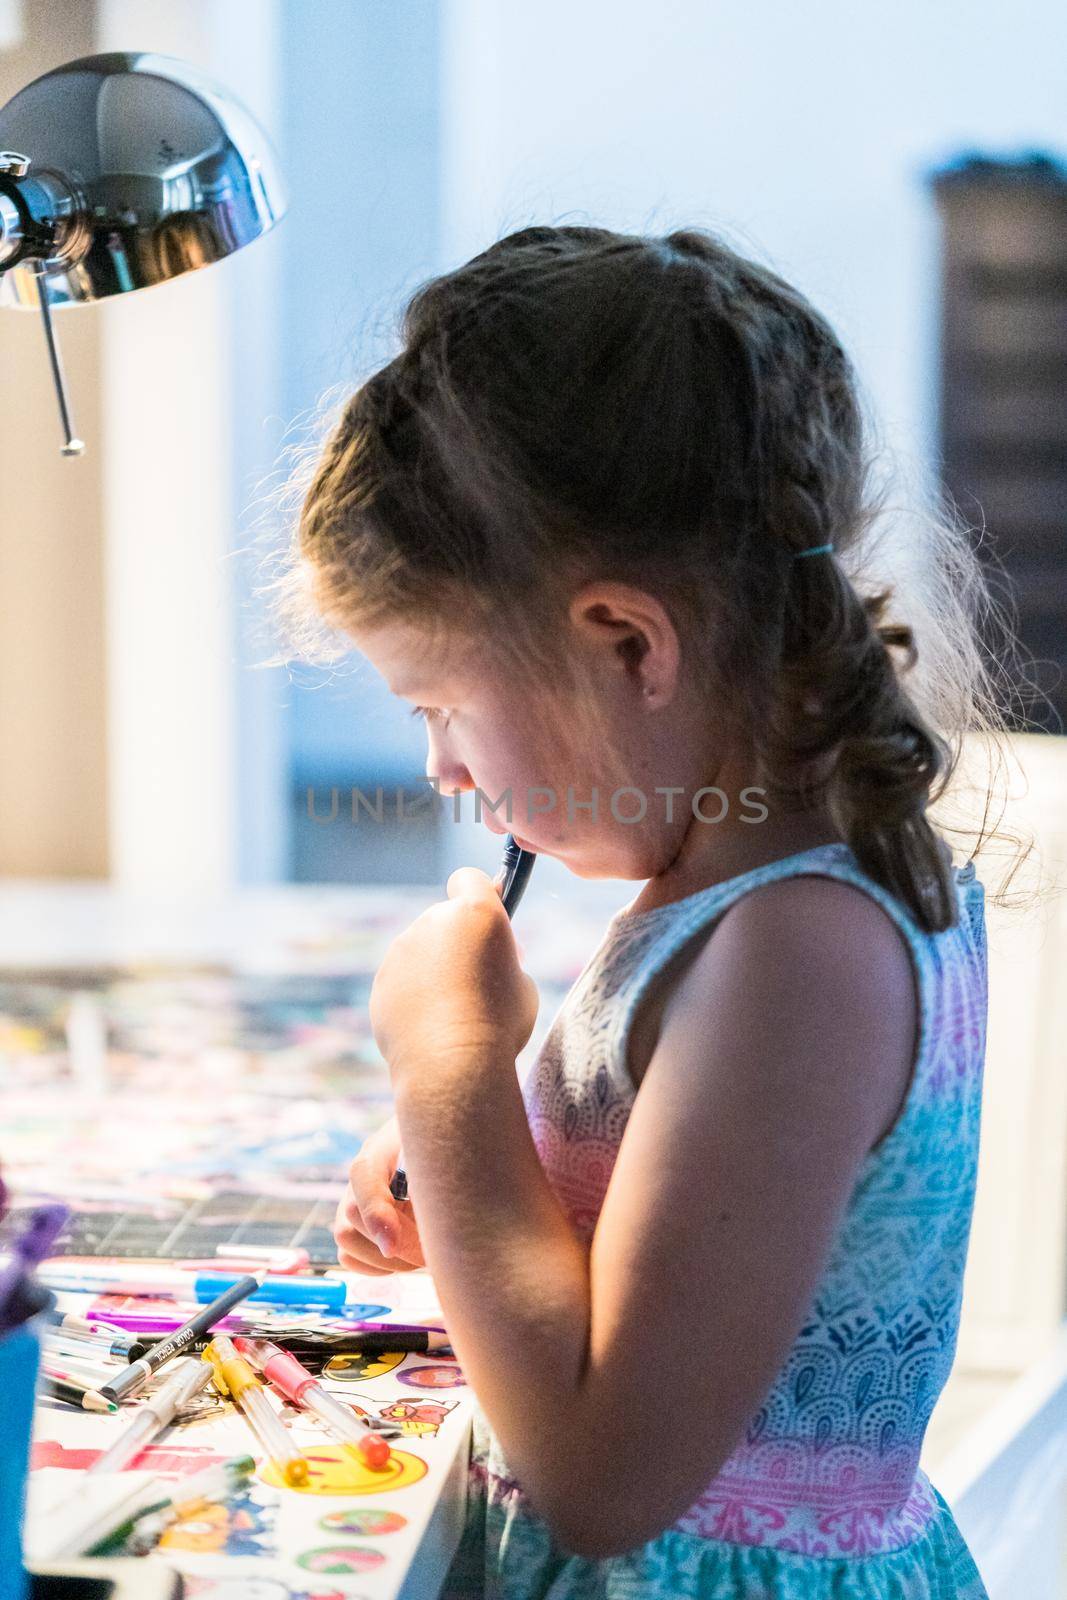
70	928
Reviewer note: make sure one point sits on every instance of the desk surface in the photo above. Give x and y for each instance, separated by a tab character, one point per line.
353	1532
155	1053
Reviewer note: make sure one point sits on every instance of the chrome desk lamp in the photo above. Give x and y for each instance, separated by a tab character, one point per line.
121	171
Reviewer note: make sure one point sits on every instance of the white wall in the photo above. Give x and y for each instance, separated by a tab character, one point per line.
359	136
185	391
12	24
53	688
803	129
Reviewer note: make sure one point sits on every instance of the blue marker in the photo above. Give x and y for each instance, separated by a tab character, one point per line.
304	1294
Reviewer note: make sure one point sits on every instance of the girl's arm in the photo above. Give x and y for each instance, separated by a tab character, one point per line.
619	1379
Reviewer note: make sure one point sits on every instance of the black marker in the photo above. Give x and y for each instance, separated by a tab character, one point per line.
515	868
313	1350
132	1379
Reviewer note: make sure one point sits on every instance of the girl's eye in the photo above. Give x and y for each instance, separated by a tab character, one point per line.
430	714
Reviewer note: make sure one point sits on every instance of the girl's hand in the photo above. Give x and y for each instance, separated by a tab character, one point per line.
451	985
374	1233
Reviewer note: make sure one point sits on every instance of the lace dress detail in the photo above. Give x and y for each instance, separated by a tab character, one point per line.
823	1497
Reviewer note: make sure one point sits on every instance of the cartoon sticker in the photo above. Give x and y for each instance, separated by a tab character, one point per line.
354	1368
346	1558
198	1587
432	1377
366	1520
419	1417
249	1588
333	1469
239	1527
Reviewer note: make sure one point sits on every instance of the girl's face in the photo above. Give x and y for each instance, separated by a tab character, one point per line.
486	733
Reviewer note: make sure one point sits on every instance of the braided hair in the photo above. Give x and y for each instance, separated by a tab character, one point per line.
576	402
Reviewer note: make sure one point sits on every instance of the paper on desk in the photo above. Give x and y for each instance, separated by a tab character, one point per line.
351	1531
67	1514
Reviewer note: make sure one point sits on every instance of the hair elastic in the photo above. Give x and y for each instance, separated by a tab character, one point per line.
814	550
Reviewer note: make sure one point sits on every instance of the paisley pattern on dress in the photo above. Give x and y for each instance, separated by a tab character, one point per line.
824	1495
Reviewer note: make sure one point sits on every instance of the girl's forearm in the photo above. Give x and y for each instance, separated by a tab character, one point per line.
512	1276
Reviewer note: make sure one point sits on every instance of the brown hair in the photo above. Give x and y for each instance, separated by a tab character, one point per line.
575	402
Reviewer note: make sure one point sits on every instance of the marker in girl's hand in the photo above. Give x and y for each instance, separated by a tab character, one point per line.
514	875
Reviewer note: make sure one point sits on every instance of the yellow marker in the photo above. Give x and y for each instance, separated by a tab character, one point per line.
234	1376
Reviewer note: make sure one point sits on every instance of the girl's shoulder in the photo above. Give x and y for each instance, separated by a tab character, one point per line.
823	889
834	860
845	1020
804	956
817	915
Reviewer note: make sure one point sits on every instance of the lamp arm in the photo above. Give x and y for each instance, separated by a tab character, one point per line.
25	233
71	445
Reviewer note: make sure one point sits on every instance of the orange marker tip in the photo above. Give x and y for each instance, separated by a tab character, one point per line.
375	1451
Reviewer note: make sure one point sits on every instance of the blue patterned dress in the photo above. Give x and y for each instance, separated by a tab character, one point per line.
823	1499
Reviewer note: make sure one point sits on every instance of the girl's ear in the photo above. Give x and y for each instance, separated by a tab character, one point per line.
627	633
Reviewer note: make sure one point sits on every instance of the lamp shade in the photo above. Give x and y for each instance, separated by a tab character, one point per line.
139	168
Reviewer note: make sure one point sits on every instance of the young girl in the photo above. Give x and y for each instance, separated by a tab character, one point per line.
605	521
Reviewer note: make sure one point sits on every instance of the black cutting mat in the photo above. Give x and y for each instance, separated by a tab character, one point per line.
193	1230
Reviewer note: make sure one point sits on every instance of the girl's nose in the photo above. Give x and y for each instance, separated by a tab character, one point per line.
452	776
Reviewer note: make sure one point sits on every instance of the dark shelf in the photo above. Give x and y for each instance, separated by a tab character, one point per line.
1003	391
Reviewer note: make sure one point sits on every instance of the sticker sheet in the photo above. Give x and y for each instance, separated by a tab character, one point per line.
353	1531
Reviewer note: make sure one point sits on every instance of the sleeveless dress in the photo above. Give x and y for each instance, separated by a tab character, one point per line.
824	1498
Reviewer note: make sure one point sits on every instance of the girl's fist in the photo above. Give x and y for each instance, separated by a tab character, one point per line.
376	1234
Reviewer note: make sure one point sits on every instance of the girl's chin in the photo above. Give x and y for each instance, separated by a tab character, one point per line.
523	844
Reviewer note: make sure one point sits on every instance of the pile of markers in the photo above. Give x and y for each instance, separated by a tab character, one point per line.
163	1374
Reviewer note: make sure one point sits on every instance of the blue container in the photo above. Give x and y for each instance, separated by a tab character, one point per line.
20	1353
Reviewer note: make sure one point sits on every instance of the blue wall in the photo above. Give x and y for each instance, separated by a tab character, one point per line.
361	140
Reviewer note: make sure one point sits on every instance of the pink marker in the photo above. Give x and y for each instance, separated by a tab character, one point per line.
249	1257
284	1373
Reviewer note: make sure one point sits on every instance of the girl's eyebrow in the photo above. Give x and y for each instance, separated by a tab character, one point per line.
414	688
399	686
411	691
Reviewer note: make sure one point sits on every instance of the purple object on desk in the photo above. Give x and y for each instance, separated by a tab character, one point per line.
32	1247
158	1321
168	1322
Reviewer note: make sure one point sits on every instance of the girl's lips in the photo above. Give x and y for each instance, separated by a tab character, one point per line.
523	844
